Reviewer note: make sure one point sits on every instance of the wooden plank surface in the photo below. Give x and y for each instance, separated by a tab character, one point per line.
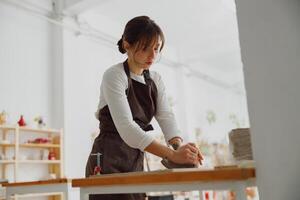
42	182
166	176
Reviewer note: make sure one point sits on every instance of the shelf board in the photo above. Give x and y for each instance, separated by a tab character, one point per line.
7	145
39	161
28	129
30	161
7	128
36	130
37	195
7	161
32	145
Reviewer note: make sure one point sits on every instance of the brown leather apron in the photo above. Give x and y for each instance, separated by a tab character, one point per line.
117	156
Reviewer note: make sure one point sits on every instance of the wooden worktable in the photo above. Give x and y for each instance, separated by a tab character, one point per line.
59	186
41	182
168	180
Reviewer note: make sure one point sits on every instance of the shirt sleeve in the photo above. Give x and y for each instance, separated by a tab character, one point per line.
114	84
164	115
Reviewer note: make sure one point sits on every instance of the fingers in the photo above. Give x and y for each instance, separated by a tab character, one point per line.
200	155
188	156
200	160
194	149
191	153
192	160
192	157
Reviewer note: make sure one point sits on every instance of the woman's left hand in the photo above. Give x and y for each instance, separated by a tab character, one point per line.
200	156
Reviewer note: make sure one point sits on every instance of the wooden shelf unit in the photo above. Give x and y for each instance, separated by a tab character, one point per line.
54	166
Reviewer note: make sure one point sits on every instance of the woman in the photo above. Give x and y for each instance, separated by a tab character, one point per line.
130	96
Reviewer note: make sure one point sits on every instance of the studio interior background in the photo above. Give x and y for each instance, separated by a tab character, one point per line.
53	55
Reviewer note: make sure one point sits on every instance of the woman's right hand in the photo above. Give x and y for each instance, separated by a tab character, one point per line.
187	154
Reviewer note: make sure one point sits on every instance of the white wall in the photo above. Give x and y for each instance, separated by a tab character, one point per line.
25	66
224	103
25	63
270	44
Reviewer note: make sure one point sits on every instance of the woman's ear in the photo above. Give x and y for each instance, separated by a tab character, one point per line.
126	45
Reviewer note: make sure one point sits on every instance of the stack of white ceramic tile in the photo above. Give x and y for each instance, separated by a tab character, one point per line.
240	144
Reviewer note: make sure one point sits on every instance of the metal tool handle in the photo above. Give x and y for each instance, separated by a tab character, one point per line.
98	157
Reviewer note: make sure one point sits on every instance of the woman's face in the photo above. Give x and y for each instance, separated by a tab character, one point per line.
146	56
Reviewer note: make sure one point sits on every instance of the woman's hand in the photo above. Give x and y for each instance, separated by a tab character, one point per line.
200	156
187	154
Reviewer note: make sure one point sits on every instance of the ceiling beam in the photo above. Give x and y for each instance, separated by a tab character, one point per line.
75	7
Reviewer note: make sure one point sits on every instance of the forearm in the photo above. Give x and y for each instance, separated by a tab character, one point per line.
160	150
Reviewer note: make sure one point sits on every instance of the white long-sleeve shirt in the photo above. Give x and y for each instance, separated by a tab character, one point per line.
112	93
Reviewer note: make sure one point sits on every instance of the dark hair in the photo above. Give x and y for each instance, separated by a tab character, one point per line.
141	31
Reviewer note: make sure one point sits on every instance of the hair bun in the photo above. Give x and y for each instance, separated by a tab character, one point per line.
120	45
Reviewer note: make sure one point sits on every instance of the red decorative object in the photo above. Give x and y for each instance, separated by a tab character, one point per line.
40	141
51	155
21	121
97	170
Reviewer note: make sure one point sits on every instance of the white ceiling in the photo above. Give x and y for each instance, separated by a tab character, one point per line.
203	33
200	34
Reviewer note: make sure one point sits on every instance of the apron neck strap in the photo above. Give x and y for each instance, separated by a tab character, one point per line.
146	73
